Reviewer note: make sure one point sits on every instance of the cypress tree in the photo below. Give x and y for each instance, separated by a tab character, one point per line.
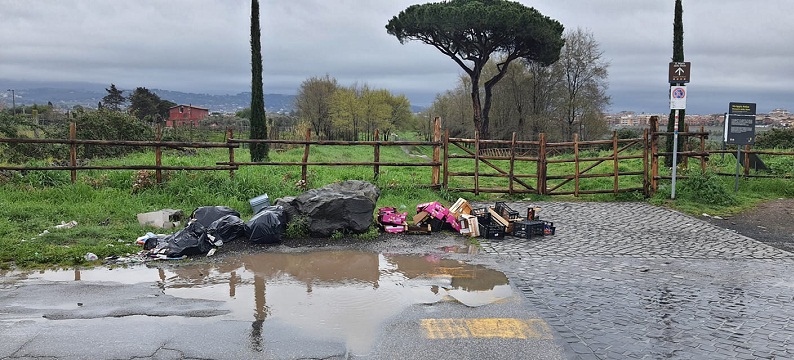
678	56
258	117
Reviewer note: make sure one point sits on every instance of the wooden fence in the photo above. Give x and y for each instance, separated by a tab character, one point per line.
458	164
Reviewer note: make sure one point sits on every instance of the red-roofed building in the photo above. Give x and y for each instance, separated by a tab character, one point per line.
182	115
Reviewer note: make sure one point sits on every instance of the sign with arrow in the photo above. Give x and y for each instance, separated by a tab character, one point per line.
679	72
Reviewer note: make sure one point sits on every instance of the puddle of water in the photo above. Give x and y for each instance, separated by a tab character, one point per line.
339	295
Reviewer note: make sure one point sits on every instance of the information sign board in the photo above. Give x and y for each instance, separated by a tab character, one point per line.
740	127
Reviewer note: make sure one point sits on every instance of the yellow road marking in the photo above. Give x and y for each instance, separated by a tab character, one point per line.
506	328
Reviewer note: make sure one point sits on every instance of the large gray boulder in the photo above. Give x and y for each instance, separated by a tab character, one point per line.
346	207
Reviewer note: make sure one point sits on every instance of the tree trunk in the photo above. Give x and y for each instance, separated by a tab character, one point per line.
479	125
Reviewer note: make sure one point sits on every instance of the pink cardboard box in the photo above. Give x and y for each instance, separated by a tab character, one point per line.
421	207
394	228
452	221
394	218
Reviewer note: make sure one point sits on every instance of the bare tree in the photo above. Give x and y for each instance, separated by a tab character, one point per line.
313	103
583	86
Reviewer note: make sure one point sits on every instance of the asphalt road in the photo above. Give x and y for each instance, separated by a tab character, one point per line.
616	281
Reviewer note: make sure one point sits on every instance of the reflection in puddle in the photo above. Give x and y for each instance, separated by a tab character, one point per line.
335	295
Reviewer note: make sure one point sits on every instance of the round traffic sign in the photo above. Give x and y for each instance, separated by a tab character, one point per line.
679	93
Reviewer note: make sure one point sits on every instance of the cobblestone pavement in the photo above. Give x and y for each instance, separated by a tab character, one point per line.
634	281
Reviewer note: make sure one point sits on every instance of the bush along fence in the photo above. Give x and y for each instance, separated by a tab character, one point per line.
459	164
748	159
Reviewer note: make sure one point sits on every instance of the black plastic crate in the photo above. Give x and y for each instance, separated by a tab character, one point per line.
527	229
548	228
492	231
436	224
506	212
482	214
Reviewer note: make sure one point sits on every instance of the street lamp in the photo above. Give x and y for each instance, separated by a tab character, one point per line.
13	102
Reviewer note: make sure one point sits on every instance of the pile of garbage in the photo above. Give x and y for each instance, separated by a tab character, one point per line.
345	207
208	228
491	222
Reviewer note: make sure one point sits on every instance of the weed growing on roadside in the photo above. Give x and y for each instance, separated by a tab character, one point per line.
706	188
371	234
337	235
298	228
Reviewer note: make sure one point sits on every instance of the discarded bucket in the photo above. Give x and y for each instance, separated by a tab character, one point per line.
260	202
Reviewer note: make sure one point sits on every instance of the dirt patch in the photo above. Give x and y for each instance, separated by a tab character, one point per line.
771	222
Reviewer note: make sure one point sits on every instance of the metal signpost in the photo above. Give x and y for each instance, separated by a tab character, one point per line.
740	130
677	102
677	74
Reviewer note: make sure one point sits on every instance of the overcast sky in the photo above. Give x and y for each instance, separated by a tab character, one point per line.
740	50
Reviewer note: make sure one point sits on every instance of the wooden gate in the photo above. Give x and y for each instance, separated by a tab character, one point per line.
515	161
515	167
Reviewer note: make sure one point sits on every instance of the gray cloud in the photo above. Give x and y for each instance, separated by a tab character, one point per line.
739	51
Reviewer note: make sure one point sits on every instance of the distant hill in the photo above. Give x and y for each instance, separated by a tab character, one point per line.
276	103
67	95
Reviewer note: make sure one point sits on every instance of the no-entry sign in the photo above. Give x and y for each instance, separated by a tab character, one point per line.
677	97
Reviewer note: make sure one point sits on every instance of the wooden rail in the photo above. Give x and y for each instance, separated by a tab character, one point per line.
494	166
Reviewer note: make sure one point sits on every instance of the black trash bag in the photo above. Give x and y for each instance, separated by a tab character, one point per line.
267	226
154	242
226	229
206	215
192	240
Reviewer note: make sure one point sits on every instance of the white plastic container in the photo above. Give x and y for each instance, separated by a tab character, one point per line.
260	202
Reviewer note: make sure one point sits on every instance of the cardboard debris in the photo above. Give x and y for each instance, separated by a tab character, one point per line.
420	218
164	219
419	229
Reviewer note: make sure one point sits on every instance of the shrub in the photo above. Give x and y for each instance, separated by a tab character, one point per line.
706	188
776	138
107	125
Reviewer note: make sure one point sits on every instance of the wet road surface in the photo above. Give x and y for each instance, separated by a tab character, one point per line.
320	304
633	281
616	281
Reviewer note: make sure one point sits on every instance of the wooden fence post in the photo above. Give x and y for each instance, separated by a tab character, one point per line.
304	167
377	153
686	147
702	150
542	164
436	175
476	163
446	159
512	162
73	150
746	160
654	154
645	185
229	137
615	161
158	154
576	164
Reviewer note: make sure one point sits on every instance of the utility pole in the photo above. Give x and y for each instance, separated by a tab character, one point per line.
13	102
